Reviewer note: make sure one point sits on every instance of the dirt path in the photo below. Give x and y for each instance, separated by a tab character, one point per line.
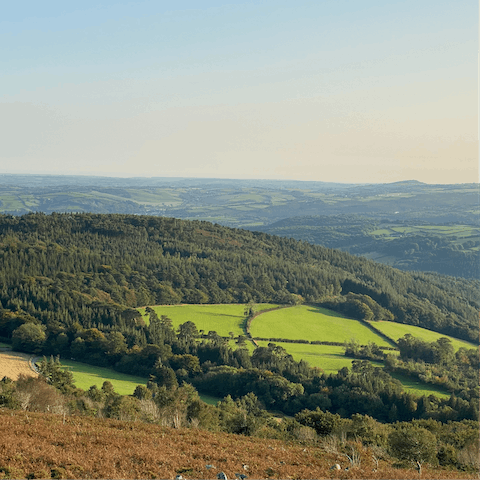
12	364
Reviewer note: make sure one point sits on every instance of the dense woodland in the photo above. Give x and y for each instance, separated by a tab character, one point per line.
89	269
70	284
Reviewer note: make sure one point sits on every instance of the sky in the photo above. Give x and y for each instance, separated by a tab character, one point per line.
330	90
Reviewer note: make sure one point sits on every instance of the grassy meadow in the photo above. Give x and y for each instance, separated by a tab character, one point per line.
397	330
222	319
85	376
306	322
416	387
329	358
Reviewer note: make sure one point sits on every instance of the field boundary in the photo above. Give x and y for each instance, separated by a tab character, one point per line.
248	322
314	342
378	332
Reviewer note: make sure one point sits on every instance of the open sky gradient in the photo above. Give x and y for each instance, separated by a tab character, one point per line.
329	90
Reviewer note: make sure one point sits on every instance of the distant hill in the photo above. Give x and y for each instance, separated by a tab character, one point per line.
335	215
446	248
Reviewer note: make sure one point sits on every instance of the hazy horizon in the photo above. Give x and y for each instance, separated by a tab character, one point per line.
313	91
133	177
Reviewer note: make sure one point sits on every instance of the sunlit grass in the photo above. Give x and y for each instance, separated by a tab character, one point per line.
312	323
398	330
222	319
85	376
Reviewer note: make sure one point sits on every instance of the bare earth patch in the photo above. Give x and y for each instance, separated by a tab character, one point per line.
13	364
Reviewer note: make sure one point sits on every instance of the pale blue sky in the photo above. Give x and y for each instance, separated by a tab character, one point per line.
327	90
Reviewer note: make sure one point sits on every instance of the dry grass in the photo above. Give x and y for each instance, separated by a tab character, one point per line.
14	364
38	445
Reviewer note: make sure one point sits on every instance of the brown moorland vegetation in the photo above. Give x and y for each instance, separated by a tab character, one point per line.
34	445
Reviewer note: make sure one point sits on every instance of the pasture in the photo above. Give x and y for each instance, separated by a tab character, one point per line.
329	358
222	319
397	330
306	322
457	234
416	387
85	376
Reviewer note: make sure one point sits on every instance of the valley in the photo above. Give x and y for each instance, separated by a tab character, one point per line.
409	225
264	323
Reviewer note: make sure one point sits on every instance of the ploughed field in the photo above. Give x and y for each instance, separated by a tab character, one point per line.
14	364
35	445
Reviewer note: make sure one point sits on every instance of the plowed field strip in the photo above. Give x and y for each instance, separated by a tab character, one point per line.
13	364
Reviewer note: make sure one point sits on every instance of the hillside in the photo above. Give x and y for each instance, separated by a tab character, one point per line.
71	282
90	268
106	448
448	248
409	225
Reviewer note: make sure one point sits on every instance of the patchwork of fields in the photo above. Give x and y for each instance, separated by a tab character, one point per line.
294	323
304	323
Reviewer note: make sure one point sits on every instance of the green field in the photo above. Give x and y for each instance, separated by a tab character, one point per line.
222	319
456	234
312	323
418	388
329	358
87	375
398	330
